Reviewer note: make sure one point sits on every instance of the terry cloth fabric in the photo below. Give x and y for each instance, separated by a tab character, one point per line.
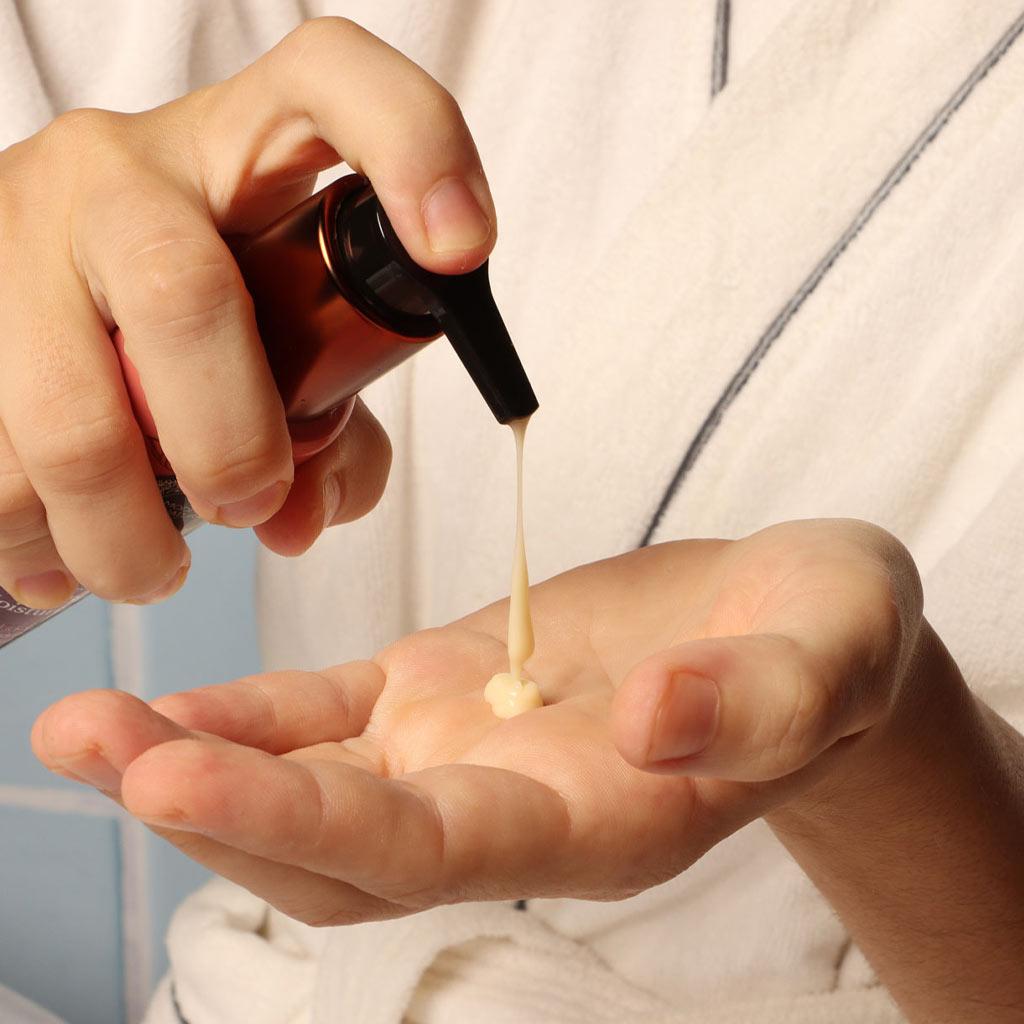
465	964
124	55
798	298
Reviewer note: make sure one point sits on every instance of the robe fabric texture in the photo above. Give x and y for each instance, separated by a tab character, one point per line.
758	267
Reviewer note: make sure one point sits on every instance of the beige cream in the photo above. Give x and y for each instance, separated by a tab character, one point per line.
508	693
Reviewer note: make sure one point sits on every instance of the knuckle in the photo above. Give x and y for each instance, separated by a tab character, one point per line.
903	578
426	107
87	449
325	31
338	694
882	588
300	51
266	718
84	128
811	715
181	288
890	598
234	470
414	92
440	107
885	549
883	609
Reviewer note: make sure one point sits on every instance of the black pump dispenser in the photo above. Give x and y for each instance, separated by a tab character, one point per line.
396	291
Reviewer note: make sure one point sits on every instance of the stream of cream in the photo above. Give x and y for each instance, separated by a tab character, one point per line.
508	693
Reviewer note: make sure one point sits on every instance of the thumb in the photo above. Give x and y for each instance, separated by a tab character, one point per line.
744	708
329	91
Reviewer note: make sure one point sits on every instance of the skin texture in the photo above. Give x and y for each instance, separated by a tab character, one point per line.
379	788
115	220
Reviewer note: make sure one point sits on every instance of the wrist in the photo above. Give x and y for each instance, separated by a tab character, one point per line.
886	770
914	838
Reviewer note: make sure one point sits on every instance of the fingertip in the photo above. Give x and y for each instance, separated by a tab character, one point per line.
343	482
293	529
459	224
451	228
99	733
36	738
256	509
71	725
171	587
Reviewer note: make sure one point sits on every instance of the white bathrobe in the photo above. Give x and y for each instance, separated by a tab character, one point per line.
798	297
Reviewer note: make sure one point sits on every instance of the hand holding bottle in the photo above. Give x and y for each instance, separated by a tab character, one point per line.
112	220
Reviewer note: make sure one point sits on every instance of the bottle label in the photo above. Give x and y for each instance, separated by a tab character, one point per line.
178	508
17	619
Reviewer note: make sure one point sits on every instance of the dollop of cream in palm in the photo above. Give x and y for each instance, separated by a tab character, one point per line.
509	696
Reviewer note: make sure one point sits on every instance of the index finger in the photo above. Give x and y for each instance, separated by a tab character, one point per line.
281	711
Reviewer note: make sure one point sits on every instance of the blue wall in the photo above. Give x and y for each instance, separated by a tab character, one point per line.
68	909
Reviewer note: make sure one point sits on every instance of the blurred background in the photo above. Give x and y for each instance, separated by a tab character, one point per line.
85	892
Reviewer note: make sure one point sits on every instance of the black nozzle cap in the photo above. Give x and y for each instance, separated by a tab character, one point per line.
462	305
468	315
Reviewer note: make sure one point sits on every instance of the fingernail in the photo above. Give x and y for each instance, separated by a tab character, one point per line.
176	582
453	218
255	510
44	590
686	719
92	767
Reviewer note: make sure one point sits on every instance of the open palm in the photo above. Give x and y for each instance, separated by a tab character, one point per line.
378	788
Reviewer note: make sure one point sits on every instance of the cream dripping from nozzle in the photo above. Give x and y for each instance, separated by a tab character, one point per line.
463	306
508	693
